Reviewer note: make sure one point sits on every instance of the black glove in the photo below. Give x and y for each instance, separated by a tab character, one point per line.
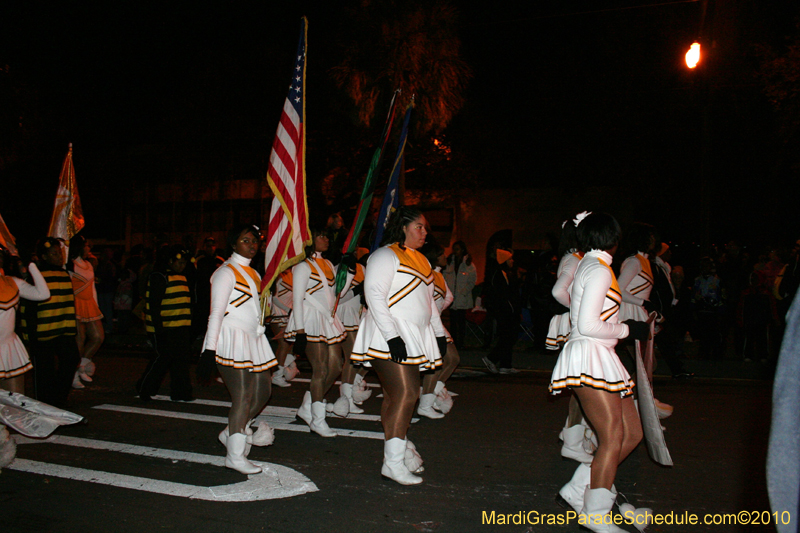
639	331
441	342
349	260
206	366
300	343
397	348
650	307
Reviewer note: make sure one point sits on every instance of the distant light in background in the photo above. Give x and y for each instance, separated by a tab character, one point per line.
693	55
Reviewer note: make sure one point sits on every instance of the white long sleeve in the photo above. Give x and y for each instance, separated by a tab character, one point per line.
301	273
631	268
35	293
381	268
566	273
222	284
590	324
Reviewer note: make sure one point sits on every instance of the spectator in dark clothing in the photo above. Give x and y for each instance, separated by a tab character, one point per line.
504	304
755	314
206	264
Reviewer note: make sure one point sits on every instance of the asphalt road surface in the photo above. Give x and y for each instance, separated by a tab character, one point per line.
157	466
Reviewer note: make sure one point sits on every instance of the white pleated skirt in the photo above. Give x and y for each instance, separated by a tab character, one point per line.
587	363
243	346
420	344
349	314
632	312
319	327
558	332
14	360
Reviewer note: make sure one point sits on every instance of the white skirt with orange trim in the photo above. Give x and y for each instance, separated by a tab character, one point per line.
586	363
14	360
318	327
87	310
558	332
241	347
632	312
349	313
420	341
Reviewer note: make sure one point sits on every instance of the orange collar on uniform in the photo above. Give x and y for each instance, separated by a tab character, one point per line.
412	259
9	293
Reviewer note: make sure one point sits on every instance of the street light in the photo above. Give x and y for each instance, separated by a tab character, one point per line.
693	55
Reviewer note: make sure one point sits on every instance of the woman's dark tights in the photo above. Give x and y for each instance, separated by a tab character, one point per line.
249	392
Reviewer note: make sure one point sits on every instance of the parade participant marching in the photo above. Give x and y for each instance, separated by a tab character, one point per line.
281	309
315	330
87	311
14	360
401	332
49	328
590	367
443	297
349	313
636	279
236	345
575	431
168	322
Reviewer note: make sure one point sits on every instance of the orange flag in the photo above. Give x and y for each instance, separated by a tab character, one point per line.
6	239
67	213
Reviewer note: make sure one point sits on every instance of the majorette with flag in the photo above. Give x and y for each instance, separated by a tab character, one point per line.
14	360
50	327
316	330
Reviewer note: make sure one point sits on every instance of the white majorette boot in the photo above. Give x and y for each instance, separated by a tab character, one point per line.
346	391
304	412
394	468
88	366
596	514
573	444
290	370
571	494
361	392
76	381
341	407
426	406
640	517
412	459
235	459
84	375
279	378
225	433
443	401
318	424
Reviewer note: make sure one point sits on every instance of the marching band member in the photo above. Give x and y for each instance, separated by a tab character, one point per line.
281	309
443	297
87	312
236	344
590	367
401	332
315	330
49	328
14	360
575	430
349	313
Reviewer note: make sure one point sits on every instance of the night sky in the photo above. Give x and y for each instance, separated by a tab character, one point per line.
564	94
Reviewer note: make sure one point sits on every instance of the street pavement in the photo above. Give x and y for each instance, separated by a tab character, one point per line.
157	466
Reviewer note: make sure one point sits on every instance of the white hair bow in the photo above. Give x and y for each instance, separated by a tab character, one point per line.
579	217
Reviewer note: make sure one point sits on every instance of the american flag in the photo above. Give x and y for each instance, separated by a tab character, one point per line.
287	232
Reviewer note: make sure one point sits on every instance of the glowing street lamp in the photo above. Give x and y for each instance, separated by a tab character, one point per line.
693	55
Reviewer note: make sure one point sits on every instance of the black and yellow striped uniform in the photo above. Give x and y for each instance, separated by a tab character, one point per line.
168	302
54	317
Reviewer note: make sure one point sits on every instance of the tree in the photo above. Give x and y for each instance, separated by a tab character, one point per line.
409	45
